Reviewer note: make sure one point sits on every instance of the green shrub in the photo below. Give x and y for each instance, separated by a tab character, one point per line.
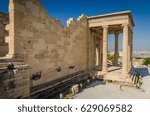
111	58
146	61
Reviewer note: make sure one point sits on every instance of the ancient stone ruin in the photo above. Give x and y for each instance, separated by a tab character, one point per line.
37	52
4	20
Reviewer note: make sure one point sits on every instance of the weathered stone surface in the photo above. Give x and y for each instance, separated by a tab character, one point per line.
36	37
3	34
15	81
75	89
49	48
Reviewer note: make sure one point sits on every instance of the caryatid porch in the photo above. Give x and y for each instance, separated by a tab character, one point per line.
115	23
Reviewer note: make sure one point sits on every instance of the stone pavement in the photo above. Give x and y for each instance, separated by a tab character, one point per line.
97	90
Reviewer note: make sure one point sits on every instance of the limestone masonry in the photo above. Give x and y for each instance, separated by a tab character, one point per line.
3	33
36	48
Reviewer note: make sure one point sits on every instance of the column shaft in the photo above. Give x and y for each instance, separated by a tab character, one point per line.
131	46
116	49
105	49
125	50
97	55
129	51
11	29
101	45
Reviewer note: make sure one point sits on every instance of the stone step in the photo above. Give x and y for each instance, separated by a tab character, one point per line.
8	63
17	65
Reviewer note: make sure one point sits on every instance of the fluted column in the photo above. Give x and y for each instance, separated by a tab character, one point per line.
131	46
101	52
116	49
125	50
105	49
97	55
11	37
129	50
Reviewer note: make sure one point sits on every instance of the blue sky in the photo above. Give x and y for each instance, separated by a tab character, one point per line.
64	9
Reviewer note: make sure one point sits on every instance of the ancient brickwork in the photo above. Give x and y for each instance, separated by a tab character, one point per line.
91	52
43	52
14	81
49	48
3	33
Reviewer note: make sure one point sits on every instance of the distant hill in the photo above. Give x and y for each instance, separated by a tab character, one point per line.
141	54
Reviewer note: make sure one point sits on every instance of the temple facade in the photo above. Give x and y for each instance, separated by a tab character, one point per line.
36	49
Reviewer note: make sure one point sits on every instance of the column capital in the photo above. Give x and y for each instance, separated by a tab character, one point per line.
116	33
105	26
125	25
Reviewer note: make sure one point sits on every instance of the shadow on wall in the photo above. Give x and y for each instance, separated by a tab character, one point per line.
144	72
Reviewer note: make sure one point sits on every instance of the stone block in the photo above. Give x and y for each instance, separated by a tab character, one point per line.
20	2
45	44
75	89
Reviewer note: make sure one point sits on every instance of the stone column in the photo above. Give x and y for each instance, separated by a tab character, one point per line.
129	51
94	51
97	55
131	46
100	54
116	48
125	50
11	38
105	49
